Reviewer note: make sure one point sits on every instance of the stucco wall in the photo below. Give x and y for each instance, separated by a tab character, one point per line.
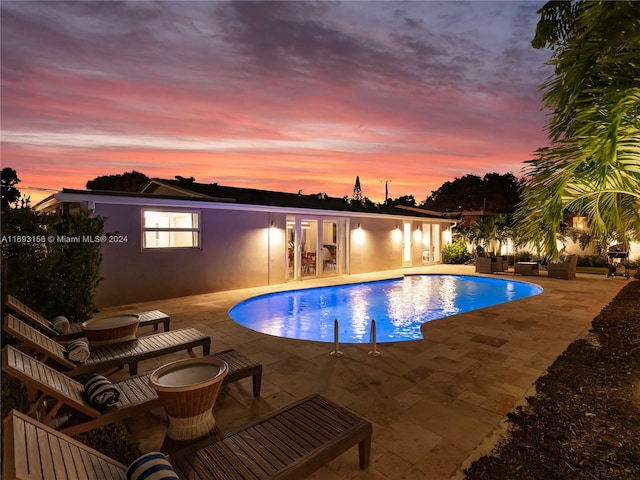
239	249
233	254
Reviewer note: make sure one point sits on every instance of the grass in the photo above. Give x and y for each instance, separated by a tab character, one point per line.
633	271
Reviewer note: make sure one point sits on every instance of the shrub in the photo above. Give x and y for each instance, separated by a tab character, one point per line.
455	252
592	261
43	268
523	256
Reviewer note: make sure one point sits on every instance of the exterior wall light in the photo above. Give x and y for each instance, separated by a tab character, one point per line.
417	234
358	234
274	236
446	236
397	234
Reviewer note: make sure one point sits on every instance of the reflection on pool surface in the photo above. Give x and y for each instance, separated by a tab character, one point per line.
399	306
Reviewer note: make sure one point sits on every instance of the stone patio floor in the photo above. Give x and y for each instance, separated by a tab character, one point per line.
436	404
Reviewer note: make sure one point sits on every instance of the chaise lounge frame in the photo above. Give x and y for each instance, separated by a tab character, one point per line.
150	318
59	401
109	355
290	443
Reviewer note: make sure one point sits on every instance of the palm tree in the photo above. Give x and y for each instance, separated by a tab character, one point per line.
481	231
592	164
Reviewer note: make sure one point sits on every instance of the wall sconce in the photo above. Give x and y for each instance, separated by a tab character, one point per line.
397	234
273	234
417	234
446	236
358	234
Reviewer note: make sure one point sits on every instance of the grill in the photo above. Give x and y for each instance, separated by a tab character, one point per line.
618	261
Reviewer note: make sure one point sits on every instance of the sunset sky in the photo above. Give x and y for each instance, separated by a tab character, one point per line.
281	96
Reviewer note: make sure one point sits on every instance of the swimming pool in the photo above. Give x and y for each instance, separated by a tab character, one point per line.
399	306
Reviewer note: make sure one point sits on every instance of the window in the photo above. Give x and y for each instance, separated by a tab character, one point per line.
166	229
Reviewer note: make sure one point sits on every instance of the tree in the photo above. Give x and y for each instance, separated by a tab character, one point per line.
357	190
592	164
8	181
494	192
127	182
407	200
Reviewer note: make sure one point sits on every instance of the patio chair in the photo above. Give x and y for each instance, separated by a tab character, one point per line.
149	318
61	402
108	356
486	264
565	270
290	443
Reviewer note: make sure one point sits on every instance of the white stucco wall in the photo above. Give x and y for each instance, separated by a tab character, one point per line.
239	249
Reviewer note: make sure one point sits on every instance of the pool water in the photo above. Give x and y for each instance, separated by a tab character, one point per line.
399	306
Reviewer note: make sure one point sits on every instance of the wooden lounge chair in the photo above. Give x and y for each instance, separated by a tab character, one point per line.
290	443
110	355
151	317
33	451
59	401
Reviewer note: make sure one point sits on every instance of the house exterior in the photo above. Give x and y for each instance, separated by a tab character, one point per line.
178	237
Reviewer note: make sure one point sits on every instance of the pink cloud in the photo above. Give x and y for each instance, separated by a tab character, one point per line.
258	94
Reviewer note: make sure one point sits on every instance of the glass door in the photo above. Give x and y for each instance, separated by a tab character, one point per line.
329	247
292	265
309	248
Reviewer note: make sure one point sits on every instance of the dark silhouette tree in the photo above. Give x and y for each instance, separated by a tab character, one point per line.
127	182
357	191
407	200
493	193
8	181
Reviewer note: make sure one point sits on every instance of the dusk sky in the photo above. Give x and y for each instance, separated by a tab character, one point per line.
281	96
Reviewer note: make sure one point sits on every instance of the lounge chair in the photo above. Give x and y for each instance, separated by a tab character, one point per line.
151	317
565	270
71	412
108	356
290	443
60	401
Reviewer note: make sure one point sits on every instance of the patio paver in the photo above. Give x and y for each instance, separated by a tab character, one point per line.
436	404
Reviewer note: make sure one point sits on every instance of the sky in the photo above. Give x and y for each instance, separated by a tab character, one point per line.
284	96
